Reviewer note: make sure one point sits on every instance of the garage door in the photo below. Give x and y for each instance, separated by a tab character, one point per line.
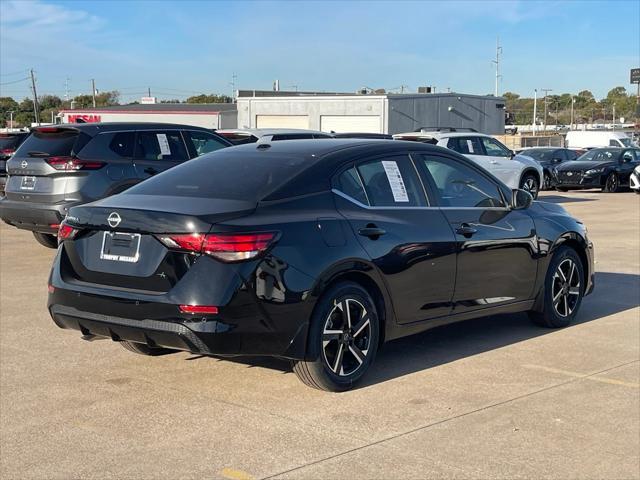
351	123
282	121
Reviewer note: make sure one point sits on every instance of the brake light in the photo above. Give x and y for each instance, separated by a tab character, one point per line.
47	129
66	232
193	309
228	247
7	151
72	163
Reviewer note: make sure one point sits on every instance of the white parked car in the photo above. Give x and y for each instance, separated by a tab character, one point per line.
516	171
634	180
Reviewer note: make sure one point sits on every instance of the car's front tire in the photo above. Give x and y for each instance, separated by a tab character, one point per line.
46	239
611	184
142	349
531	184
563	290
342	341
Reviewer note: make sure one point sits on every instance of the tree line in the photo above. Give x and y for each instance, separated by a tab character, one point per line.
23	111
586	109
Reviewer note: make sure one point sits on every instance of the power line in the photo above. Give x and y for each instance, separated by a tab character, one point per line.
13	73
15	81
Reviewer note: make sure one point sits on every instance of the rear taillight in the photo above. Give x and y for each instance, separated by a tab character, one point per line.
7	151
201	309
66	232
228	247
72	163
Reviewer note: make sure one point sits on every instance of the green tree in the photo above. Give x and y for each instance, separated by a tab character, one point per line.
212	98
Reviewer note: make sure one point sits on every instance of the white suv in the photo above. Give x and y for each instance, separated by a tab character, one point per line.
516	171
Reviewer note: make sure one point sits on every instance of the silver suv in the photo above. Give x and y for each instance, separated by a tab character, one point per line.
58	167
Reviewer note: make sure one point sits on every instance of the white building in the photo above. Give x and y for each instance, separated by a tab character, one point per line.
207	115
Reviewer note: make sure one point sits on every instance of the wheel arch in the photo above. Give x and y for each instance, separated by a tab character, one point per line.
578	243
365	275
532	170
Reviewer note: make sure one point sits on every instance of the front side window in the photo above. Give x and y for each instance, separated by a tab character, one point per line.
458	185
466	145
391	182
629	156
494	148
161	145
110	146
203	142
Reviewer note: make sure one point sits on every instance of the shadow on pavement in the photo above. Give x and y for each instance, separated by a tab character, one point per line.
562	199
614	292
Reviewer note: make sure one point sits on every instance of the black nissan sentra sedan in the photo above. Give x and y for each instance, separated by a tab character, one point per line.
606	168
316	251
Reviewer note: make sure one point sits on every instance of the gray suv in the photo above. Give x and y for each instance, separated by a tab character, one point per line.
61	166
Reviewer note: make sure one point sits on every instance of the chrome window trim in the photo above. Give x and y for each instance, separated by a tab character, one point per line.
362	205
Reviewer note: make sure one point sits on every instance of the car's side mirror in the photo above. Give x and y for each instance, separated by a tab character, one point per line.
513	154
520	199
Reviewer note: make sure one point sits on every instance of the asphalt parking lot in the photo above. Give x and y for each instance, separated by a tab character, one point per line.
490	398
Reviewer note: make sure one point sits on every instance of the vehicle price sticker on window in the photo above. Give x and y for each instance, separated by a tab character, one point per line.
164	144
396	182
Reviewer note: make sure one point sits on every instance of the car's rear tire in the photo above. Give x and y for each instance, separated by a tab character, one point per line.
142	349
611	184
563	290
342	341
46	239
531	184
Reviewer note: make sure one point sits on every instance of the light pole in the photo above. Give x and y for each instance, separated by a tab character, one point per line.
535	109
573	100
11	118
546	91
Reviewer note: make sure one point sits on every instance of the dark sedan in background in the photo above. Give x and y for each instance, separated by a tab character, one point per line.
606	168
549	157
9	143
313	250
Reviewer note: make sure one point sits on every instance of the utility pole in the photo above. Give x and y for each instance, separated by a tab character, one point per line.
497	63
66	89
11	118
93	91
573	100
613	120
546	91
234	77
36	107
535	109
148	91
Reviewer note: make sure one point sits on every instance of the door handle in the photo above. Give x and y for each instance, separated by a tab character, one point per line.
371	231
150	171
494	162
466	230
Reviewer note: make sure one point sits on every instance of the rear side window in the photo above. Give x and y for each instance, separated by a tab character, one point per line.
110	146
160	145
391	182
349	183
466	145
227	174
202	142
59	143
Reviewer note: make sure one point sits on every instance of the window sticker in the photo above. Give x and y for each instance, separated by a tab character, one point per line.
395	181
470	146
164	144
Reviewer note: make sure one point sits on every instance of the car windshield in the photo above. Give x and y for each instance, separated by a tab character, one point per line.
601	155
538	154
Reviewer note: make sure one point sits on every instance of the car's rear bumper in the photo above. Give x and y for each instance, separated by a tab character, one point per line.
37	217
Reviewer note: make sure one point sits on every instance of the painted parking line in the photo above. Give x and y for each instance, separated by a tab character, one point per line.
233	474
611	381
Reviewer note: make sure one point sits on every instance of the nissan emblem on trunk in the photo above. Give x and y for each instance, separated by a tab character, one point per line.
24	164
114	219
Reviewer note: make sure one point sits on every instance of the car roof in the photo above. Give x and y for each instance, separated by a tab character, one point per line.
95	128
438	135
262	132
325	157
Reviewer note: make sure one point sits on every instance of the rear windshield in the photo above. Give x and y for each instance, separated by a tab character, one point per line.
54	144
9	141
234	175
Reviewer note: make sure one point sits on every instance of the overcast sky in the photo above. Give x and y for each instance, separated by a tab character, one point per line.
182	48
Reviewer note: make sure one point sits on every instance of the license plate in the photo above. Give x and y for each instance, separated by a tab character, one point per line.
28	183
120	247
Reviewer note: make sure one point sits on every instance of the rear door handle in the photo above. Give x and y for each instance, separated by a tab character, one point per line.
371	231
466	230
